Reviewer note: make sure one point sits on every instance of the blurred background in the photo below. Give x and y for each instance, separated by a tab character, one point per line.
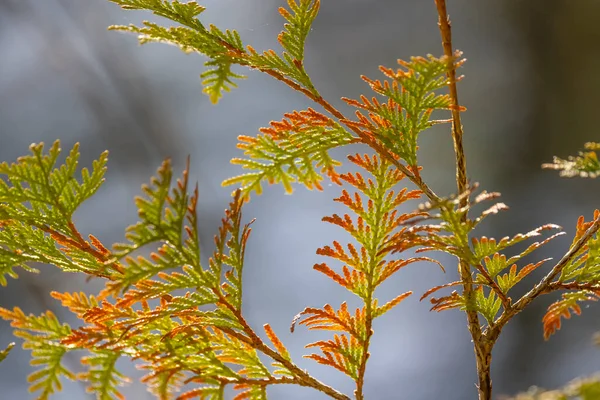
532	90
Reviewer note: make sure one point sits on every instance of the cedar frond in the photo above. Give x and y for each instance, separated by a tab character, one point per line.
290	65
4	353
295	149
581	272
329	319
484	247
436	288
453	300
163	383
343	353
180	338
102	375
167	216
224	49
296	30
380	310
584	165
364	267
276	342
77	303
411	99
483	254
487	304
563	309
42	335
204	393
37	200
511	278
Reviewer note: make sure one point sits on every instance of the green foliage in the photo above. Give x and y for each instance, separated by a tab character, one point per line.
584	165
288	152
42	335
53	193
168	217
365	268
579	389
411	99
225	48
37	202
4	353
303	14
182	319
102	374
580	273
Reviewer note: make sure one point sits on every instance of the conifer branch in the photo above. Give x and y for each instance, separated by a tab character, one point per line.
366	139
546	285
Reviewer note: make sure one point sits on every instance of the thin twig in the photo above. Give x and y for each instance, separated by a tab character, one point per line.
482	350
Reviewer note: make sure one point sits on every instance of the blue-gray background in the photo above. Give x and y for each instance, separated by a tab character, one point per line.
531	89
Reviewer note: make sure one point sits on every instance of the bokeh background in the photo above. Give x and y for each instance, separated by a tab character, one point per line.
532	89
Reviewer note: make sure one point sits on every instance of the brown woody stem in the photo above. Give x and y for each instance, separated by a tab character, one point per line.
483	350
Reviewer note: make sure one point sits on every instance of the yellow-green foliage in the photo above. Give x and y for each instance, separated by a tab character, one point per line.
183	320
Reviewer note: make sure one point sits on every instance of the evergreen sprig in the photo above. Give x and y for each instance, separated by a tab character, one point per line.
483	254
225	48
38	198
295	149
584	165
4	353
183	320
42	335
366	267
411	99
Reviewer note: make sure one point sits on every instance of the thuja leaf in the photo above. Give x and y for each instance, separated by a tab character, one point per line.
183	13
365	267
102	375
580	272
488	304
167	216
4	353
295	149
563	309
224	49
584	266
164	384
299	20
483	247
197	337
290	64
218	78
42	335
205	393
193	36
584	165
38	197
52	192
411	99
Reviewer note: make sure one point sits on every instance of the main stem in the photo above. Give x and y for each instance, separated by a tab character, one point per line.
483	348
